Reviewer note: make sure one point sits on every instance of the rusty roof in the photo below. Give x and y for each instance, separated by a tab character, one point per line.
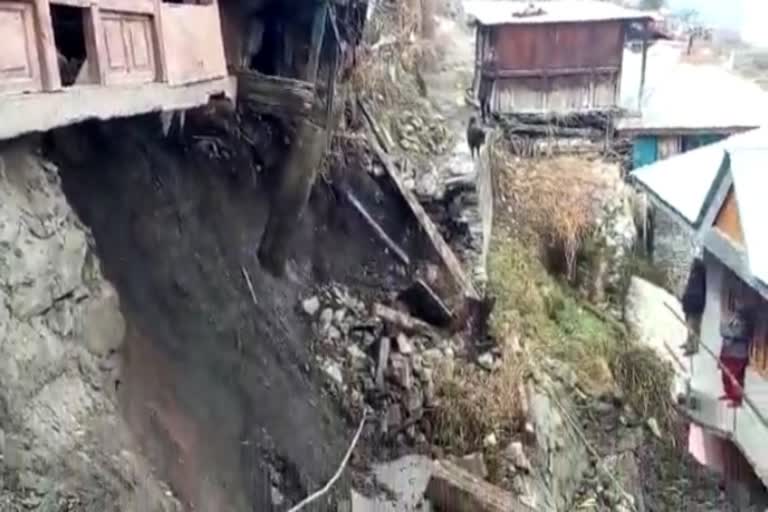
517	12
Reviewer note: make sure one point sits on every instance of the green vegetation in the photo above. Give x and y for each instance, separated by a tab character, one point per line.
555	323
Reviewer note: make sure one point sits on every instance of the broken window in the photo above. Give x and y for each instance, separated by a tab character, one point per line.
69	37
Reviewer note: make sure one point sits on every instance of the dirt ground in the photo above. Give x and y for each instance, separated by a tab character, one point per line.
216	383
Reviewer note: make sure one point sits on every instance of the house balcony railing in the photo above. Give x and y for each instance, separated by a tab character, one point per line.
746	426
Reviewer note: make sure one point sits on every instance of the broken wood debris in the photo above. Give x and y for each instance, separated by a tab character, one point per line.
381	363
441	247
391	244
282	97
423	302
454	489
406	323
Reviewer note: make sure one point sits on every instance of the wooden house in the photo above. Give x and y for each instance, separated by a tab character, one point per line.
65	61
556	56
686	105
716	192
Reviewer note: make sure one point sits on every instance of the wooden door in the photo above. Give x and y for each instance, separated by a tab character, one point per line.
19	65
130	48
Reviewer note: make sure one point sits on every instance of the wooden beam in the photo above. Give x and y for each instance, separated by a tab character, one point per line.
383	236
47	46
96	51
275	95
444	252
454	489
160	56
554	72
643	66
316	44
131	6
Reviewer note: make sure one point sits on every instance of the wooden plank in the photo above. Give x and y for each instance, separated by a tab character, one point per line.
316	44
47	46
275	95
449	259
454	489
383	236
160	55
94	42
128	6
81	4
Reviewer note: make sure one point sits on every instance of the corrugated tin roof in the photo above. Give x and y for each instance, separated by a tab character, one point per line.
683	182
513	12
749	170
682	96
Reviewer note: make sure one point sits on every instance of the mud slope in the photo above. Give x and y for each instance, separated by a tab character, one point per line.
217	389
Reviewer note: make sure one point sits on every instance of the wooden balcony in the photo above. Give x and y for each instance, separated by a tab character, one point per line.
78	48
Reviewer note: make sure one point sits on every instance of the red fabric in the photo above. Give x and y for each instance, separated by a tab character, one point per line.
737	367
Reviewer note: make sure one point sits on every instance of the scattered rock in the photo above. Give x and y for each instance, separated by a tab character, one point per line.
515	454
490	441
487	361
404	345
401	371
333	333
432	357
338	317
333	371
414	400
474	463
356	355
653	426
326	319
311	306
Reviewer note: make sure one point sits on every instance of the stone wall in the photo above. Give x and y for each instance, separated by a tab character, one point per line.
674	248
62	440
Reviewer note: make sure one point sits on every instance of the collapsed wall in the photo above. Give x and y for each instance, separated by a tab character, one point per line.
62	442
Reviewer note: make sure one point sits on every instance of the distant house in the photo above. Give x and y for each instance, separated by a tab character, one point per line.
556	56
65	61
717	193
684	106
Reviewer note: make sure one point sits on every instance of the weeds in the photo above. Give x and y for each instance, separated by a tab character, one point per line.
474	403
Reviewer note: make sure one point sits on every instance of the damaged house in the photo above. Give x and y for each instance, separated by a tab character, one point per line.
66	61
552	57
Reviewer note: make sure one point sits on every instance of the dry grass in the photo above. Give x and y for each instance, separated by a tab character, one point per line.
474	403
558	199
646	381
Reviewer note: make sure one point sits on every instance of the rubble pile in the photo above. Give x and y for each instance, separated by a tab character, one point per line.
379	360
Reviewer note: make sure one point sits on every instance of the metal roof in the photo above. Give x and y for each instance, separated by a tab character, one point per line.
694	186
684	97
684	182
517	12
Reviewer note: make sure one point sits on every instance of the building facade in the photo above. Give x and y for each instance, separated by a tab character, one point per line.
555	56
70	60
724	210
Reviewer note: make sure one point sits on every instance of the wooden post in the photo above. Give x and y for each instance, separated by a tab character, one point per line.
318	33
642	67
47	46
288	201
160	55
96	51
